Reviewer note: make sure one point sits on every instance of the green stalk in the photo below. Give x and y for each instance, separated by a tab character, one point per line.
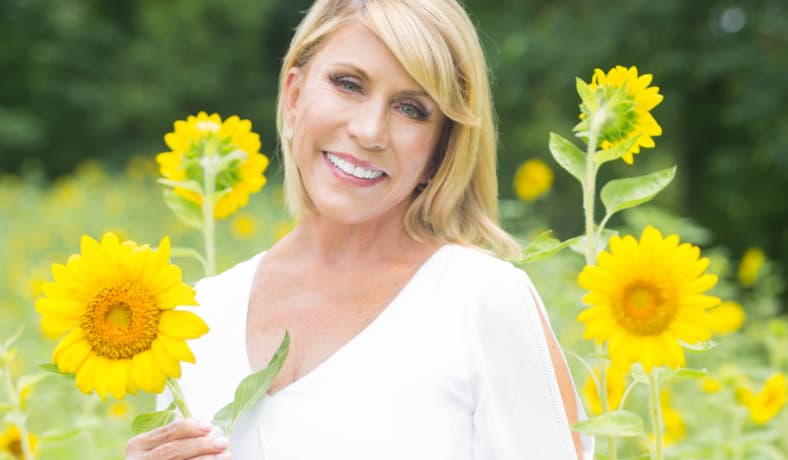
210	161
27	451
589	196
177	396
656	413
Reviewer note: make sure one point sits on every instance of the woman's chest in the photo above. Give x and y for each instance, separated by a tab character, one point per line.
322	315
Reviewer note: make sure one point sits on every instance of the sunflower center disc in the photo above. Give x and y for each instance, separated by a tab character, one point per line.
121	321
644	309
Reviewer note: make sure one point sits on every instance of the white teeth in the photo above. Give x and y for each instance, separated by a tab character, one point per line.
353	170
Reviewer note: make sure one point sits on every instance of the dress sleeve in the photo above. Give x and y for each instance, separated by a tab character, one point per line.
519	413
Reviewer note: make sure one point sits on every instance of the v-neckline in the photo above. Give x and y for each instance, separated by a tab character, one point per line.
374	324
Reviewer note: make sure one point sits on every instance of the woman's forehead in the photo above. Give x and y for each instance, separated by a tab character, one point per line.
356	48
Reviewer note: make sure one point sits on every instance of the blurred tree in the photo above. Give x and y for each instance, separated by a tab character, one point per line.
89	78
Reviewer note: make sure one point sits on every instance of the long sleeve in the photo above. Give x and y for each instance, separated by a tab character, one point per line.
519	413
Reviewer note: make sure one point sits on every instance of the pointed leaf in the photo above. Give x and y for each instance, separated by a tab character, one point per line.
191	185
700	346
52	367
227	160
620	423
616	152
571	158
253	387
188	212
638	374
578	244
587	95
625	193
59	434
224	418
543	246
152	420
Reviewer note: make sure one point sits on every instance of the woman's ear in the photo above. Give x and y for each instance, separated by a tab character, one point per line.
292	91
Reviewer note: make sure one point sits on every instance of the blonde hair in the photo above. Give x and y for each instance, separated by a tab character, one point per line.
436	43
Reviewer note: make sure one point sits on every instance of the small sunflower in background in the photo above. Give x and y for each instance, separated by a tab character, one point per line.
630	100
115	301
533	179
750	266
647	297
768	402
226	150
11	442
615	384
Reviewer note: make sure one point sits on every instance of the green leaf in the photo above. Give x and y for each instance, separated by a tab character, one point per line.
578	244
59	434
227	160
700	346
571	158
252	388
52	367
619	423
621	194
188	212
191	185
681	374
638	374
224	418
543	246
616	152
152	420
586	95
31	379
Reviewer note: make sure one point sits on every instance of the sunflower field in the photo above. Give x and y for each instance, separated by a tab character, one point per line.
675	332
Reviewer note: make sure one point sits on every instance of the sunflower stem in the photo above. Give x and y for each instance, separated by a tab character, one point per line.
589	185
209	164
177	396
24	441
656	413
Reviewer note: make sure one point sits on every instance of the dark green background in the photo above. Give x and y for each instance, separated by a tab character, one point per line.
106	79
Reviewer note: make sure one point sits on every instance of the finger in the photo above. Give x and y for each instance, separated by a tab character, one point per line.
181	429
190	448
223	456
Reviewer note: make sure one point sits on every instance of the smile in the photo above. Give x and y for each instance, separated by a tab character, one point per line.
351	169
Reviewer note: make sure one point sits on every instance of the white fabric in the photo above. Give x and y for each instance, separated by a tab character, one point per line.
455	368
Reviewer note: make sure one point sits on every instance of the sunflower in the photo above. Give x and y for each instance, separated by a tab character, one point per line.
116	302
766	404
646	298
750	266
203	136
616	384
726	318
532	179
630	116
11	442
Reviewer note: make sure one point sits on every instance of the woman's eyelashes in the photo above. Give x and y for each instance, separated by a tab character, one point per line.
409	108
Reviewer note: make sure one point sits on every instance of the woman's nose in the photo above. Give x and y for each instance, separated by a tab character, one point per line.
369	125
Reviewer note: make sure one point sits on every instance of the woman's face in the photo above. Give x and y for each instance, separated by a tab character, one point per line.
363	130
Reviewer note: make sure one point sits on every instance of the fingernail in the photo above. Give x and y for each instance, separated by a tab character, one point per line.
221	442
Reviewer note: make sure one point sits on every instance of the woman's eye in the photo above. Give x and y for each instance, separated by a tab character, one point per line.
346	84
412	111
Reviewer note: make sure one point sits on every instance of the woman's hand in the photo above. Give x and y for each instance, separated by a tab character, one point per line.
187	439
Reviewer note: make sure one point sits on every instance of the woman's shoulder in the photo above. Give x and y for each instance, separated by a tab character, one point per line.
478	267
228	288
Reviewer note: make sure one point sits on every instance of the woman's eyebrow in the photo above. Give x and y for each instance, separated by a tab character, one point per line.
364	76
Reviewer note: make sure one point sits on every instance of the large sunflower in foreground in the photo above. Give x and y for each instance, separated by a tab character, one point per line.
646	298
631	116
201	138
116	302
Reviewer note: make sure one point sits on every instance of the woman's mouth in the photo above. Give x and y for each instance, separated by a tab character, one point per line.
348	170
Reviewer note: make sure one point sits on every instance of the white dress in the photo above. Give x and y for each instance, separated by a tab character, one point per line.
455	368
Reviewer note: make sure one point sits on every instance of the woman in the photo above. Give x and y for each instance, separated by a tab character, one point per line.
409	339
